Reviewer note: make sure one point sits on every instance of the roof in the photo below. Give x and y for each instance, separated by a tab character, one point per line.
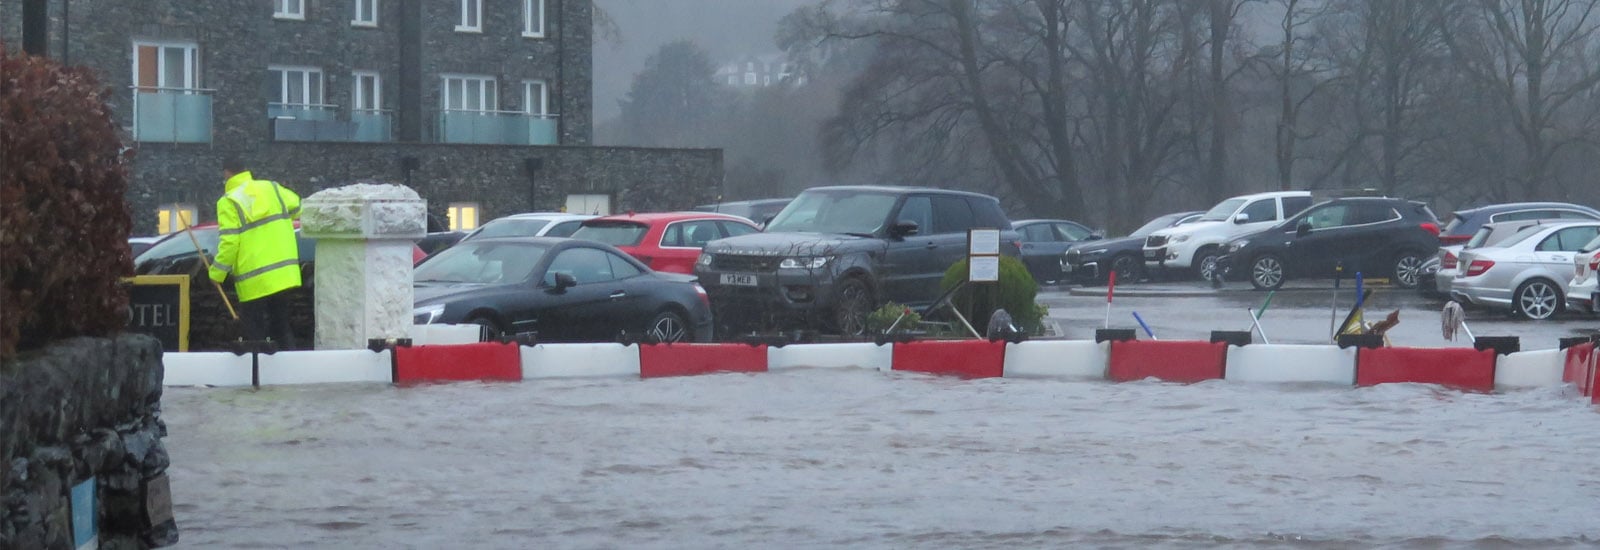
657	217
1498	208
1275	194
543	216
1041	220
897	189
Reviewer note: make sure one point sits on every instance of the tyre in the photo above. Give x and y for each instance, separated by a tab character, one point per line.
850	309
667	327
1205	263
1266	272
1408	270
1129	268
488	329
1537	299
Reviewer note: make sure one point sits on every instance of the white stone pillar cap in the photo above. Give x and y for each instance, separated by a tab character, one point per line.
364	211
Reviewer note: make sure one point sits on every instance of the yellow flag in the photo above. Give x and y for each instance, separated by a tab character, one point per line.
1354	325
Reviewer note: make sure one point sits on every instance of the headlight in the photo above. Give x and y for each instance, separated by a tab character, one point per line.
1236	245
804	262
705	259
426	315
1180	238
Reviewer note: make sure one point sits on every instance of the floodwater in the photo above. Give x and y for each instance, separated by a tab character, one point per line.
859	459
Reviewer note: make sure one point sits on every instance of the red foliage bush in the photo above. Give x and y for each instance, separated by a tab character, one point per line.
64	218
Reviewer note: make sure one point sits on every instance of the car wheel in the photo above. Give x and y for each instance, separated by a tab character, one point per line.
667	327
488	329
852	306
1266	273
1537	299
1408	270
1205	264
1128	268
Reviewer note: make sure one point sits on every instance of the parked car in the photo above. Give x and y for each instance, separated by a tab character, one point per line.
566	290
664	241
1464	224
1527	274
1044	241
1380	237
1092	261
836	253
1194	247
1490	234
1582	294
532	224
758	211
439	240
137	245
175	253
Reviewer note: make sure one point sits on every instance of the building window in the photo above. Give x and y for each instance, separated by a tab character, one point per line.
175	217
366	13
463	216
367	94
533	18
296	86
166	66
471	16
536	98
469	93
289	9
750	78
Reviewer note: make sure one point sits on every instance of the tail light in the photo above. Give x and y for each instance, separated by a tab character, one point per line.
1594	263
1447	240
1478	267
704	298
1431	228
1449	261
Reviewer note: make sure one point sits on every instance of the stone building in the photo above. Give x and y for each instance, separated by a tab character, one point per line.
483	106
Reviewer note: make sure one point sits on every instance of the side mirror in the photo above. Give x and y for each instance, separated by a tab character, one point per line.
1303	229
903	228
1241	218
565	281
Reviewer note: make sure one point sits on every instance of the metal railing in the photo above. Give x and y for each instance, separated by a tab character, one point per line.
173	115
495	127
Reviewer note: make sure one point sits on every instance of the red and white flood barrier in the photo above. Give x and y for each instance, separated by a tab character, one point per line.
1121	360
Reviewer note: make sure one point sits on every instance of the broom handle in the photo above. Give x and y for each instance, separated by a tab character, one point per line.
206	261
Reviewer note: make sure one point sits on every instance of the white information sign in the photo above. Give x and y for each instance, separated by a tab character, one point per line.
984	269
983	242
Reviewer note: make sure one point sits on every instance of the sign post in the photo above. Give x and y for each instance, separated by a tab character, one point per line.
158	305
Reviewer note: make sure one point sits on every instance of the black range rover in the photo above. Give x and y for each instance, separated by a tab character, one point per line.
835	253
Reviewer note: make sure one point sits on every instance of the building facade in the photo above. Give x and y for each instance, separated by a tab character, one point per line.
759	71
482	106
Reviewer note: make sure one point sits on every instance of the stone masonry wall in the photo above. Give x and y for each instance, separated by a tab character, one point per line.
82	407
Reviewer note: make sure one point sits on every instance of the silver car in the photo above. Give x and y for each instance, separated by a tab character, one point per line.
1527	273
1445	263
1582	294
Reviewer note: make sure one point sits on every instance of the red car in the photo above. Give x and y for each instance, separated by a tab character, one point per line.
668	241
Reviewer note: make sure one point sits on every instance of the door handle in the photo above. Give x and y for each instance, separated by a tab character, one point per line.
931	246
618	294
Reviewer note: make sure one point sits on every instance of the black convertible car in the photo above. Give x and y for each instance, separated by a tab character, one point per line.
1090	262
565	290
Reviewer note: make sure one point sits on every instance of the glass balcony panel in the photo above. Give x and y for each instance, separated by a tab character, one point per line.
372	126
301	112
175	116
496	127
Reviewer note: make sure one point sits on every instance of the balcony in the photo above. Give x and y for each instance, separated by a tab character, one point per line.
172	115
306	122
496	128
372	125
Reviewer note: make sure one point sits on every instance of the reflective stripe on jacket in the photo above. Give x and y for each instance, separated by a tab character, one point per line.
255	223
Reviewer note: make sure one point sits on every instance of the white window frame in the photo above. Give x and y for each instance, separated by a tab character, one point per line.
294	10
191	64
536	105
371	19
471	16
357	102
488	92
305	86
530	8
463	216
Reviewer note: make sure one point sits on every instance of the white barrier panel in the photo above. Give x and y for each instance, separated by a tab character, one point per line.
1530	369
209	368
441	335
863	355
1291	363
579	360
1075	359
326	366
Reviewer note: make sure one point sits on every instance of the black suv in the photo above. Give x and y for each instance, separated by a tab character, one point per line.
1381	237
835	253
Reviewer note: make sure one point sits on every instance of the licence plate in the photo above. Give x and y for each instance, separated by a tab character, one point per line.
739	279
1155	254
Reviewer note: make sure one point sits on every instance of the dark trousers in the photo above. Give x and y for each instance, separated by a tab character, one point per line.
268	317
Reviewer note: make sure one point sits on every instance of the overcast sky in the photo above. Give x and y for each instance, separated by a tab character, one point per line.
726	28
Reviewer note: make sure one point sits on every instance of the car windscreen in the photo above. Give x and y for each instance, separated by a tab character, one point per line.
837	211
614	233
178	243
1591	247
1222	211
1479	238
509	228
1456	225
1162	222
482	263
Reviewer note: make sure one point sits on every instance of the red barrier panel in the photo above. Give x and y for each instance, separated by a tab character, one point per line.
1460	368
963	358
656	361
1579	368
1172	361
484	361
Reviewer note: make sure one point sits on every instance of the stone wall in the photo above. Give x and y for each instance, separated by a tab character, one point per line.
81	408
496	177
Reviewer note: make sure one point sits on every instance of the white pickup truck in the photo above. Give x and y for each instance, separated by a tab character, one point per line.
1194	247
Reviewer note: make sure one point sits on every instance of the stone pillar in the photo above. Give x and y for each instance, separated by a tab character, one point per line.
365	234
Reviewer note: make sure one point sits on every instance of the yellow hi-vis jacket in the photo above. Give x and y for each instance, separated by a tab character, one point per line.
255	220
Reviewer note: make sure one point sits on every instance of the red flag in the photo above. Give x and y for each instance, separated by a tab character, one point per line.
1111	285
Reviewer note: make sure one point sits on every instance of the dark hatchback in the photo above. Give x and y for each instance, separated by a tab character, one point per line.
1092	262
1380	237
1043	242
565	290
